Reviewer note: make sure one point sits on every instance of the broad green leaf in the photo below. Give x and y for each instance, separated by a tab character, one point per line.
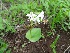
34	34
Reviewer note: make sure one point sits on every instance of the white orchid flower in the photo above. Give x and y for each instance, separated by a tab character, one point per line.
35	18
31	16
41	15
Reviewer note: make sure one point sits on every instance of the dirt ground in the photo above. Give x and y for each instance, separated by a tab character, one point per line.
42	46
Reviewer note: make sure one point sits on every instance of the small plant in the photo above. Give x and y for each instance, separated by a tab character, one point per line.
3	46
34	34
6	25
49	33
23	45
53	45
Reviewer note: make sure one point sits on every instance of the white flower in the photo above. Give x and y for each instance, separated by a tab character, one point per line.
31	16
41	16
35	18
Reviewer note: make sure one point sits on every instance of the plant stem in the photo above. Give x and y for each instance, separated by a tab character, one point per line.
30	33
31	24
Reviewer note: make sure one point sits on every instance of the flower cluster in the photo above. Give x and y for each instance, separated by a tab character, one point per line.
36	18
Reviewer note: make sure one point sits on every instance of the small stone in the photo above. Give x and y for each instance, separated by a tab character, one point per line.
29	42
62	46
52	36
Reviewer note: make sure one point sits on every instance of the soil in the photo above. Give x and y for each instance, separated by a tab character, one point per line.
42	46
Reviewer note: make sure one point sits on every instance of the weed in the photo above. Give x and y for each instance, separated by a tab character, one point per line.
53	45
3	46
49	33
57	11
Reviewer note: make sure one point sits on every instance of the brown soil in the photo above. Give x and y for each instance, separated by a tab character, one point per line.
42	46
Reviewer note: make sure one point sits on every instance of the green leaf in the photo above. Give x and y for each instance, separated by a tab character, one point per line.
3	46
53	45
54	51
1	19
1	26
34	34
55	41
64	27
66	23
68	27
8	51
1	23
23	45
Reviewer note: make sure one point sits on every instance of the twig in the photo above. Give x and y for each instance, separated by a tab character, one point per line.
66	49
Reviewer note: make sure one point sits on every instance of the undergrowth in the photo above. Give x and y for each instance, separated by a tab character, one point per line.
58	12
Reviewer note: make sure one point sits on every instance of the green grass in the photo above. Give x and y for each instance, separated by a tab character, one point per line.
3	46
53	45
58	12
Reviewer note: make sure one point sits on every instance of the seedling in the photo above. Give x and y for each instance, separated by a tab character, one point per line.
3	46
53	45
34	34
23	45
49	33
